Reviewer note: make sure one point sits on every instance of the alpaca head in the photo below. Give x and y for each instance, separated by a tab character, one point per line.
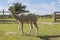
12	11
10	8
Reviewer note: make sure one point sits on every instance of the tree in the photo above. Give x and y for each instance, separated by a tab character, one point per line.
19	7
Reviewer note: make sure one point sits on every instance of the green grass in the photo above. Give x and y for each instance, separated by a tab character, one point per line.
45	20
46	32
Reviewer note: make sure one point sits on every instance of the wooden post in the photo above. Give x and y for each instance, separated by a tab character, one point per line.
3	15
54	16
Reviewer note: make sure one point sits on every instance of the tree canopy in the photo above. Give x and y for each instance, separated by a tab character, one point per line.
19	7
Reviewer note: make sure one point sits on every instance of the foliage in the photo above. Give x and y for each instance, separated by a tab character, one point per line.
19	6
46	16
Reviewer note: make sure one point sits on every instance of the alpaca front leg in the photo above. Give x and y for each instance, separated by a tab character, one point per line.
20	28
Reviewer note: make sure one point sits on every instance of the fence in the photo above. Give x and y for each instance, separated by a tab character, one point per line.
56	16
3	15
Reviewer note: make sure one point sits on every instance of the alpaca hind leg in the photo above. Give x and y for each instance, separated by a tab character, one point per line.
22	28
36	28
30	27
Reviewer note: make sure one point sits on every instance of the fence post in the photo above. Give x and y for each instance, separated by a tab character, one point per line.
3	15
54	17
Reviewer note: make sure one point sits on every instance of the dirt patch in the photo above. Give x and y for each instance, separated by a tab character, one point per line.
10	33
47	23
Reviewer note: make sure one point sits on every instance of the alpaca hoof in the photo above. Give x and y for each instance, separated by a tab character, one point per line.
21	34
36	35
28	33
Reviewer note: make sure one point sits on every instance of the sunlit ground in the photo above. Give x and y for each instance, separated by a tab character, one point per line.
48	30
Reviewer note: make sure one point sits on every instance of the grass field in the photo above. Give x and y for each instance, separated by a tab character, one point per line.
46	32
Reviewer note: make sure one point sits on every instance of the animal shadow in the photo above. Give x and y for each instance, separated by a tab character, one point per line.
48	37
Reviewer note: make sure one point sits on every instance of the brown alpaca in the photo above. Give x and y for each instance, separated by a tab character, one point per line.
24	18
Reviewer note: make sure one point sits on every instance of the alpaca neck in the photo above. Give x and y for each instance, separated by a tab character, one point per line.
13	14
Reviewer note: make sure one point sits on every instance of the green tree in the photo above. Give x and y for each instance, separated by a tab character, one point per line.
19	7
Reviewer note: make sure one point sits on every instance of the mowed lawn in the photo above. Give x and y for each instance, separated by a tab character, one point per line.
48	31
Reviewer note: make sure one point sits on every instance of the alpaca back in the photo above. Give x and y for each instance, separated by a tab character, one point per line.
26	17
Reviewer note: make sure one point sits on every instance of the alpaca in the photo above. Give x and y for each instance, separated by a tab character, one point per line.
24	18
